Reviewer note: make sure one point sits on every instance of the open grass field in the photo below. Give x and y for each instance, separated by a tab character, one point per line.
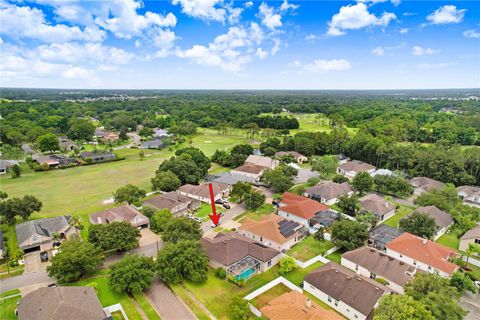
7	308
108	297
309	248
275	292
209	140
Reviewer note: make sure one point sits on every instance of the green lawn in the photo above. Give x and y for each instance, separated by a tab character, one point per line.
206	209
450	239
401	212
9	293
214	291
191	303
216	168
309	248
209	140
108	297
146	306
298	189
7	308
256	214
263	299
336	256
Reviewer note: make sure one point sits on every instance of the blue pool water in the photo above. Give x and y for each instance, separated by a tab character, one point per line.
245	274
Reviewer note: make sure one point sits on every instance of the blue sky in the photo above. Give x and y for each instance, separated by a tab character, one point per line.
219	44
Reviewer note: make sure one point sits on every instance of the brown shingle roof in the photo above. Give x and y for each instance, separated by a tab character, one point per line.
294	305
294	154
232	247
356	165
329	190
382	265
262	161
203	190
268	227
425	251
125	213
301	206
442	218
426	184
160	202
472	233
74	303
342	284
376	204
250	168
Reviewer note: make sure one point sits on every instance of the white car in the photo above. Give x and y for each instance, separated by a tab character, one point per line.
477	283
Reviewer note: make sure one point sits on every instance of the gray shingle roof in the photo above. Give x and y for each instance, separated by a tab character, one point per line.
442	218
329	190
45	227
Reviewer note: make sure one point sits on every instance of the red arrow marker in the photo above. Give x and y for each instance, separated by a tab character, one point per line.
214	217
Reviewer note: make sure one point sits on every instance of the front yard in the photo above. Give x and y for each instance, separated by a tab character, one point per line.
256	214
309	248
206	209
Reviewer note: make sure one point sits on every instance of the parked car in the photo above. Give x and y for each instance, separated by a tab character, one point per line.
276	203
197	219
213	225
226	206
44	256
219	201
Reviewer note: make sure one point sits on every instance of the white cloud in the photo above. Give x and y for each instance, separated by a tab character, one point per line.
352	17
446	14
288	6
403	30
420	51
311	37
77	73
124	21
378	51
248	4
261	54
25	22
276	46
471	34
203	9
327	65
164	41
268	16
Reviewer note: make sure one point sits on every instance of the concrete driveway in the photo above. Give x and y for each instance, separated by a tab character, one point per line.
33	263
147	237
236	209
167	304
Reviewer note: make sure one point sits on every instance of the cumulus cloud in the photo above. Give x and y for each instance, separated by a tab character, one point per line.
27	22
403	30
261	54
357	16
288	6
268	16
124	21
327	65
471	34
378	51
446	14
203	9
420	51
311	37
77	73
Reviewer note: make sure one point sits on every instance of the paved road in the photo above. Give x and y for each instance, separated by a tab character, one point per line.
33	278
167	304
236	210
471	302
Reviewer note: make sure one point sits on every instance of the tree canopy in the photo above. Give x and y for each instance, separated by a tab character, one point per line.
132	274
119	236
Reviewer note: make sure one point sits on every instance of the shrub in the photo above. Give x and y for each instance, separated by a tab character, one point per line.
220	273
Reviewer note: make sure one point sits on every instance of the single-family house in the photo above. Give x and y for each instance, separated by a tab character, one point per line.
231	178
375	264
262	161
274	231
98	156
298	157
53	160
99	133
160	133
351	168
382	234
470	195
38	235
58	303
382	172
377	205
443	220
328	192
251	171
111	136
125	213
299	209
294	305
240	256
66	143
202	192
177	204
342	158
152	144
424	184
423	254
5	165
350	294
472	236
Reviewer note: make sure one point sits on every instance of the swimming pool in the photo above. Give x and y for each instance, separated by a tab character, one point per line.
245	274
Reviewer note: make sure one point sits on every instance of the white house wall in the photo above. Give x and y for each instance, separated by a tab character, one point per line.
418	264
